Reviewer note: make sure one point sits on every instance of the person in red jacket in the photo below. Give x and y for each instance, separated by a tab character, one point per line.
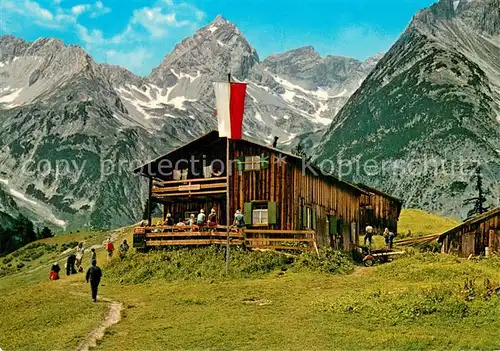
110	248
54	272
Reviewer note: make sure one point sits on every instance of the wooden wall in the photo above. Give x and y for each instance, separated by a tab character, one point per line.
473	238
379	211
291	189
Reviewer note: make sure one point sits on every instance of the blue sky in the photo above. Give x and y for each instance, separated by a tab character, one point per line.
137	34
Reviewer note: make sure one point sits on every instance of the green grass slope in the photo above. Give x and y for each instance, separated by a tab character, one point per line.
421	222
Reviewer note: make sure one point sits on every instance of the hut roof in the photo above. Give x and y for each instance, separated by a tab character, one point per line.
479	218
211	138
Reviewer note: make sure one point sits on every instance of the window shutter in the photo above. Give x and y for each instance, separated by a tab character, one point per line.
240	163
272	213
247	212
333	225
313	220
264	161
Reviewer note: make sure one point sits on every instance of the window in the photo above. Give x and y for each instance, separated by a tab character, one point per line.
308	218
260	216
261	213
252	163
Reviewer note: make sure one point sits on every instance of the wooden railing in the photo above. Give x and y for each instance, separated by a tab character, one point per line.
185	236
293	240
190	187
299	240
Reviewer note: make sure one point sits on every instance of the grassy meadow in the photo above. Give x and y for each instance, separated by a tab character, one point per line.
182	299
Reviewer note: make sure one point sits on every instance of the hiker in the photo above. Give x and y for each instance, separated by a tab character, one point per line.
54	272
93	255
123	248
79	256
389	237
93	276
212	218
169	220
201	220
70	264
368	235
110	248
191	220
201	217
239	219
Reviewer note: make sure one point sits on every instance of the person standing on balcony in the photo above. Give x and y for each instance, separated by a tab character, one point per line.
201	217
212	218
169	221
201	220
239	219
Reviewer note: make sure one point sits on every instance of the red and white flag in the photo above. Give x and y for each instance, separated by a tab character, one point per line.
230	106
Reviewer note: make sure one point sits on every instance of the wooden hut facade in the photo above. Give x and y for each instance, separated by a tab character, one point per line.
379	210
475	236
278	192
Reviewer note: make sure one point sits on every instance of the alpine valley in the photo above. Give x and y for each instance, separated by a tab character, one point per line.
71	129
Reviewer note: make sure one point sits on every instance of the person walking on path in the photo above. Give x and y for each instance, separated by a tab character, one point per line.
93	276
123	248
70	264
110	248
80	250
93	255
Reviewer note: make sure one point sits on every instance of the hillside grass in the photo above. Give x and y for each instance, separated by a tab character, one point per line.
420	223
181	299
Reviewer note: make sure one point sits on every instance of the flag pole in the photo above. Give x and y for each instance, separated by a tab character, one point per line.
228	212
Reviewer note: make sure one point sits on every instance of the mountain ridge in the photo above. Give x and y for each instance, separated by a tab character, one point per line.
57	103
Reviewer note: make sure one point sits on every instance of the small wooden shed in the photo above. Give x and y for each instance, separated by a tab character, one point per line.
475	236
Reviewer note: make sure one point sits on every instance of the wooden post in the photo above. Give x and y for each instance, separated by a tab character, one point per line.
228	214
150	204
228	211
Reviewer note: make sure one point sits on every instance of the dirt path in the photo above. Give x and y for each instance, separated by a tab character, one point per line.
112	317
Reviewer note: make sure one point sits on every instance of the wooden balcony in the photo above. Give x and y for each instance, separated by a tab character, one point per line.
290	240
189	187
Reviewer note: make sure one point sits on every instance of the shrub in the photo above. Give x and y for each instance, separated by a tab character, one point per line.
328	261
209	263
7	260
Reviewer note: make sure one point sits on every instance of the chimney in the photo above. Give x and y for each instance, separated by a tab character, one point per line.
275	142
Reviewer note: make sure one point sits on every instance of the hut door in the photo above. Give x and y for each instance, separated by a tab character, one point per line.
353	233
468	244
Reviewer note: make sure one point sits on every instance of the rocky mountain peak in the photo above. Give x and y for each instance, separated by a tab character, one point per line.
218	47
483	16
11	46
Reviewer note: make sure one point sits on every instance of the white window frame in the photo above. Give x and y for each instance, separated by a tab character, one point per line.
260	216
309	219
252	163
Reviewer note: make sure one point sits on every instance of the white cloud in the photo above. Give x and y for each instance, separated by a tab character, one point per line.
130	47
133	60
157	20
79	9
99	9
28	9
